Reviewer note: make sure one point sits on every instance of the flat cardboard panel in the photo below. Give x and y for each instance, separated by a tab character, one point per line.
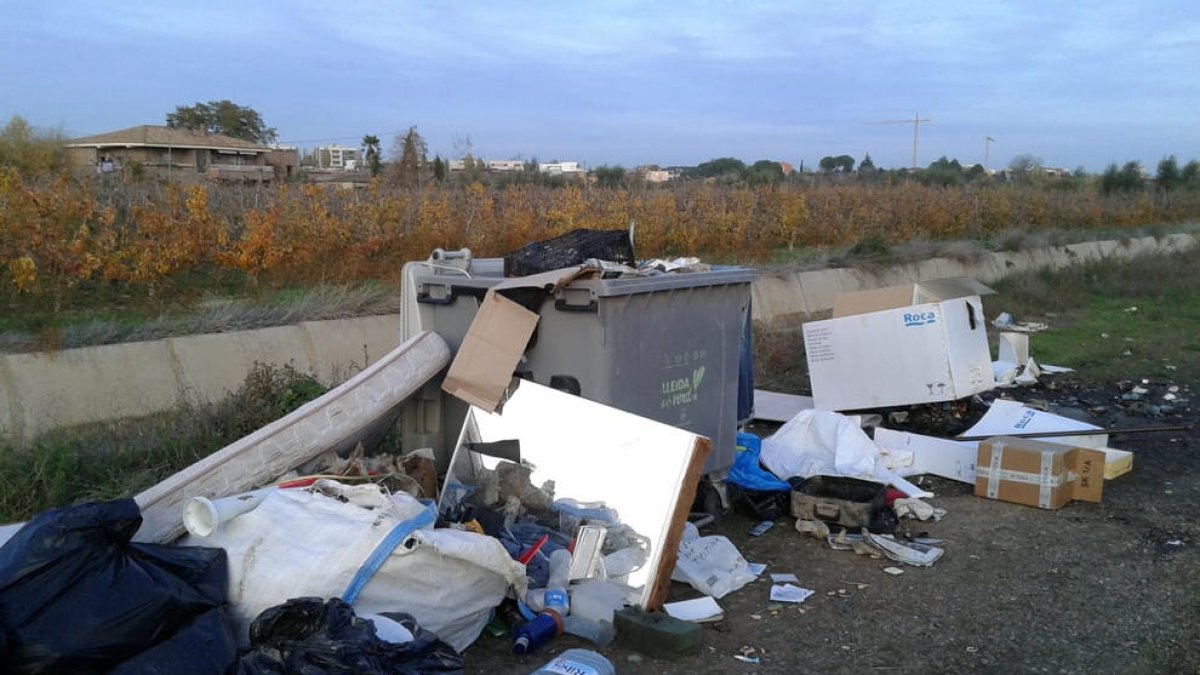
935	290
646	470
874	300
497	338
772	406
949	459
967	346
904	295
1012	417
490	352
1116	462
1014	348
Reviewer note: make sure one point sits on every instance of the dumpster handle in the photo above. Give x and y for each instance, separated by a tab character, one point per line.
564	306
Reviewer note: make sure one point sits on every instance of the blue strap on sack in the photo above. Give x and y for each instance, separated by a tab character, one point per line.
380	555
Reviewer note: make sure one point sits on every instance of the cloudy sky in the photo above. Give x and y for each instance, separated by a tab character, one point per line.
628	82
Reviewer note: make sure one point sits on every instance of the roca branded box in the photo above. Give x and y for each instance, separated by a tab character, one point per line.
901	345
1037	473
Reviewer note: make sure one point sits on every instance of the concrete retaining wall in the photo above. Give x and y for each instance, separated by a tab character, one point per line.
45	391
50	390
787	300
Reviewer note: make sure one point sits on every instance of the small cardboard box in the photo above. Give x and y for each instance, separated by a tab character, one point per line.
917	343
1037	473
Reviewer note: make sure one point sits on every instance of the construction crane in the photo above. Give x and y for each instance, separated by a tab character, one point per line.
916	121
987	147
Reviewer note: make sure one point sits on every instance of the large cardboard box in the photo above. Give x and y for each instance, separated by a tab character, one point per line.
901	345
1037	473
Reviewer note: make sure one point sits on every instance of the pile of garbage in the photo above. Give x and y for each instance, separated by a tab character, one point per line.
548	513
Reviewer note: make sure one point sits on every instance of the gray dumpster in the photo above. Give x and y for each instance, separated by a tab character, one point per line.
666	347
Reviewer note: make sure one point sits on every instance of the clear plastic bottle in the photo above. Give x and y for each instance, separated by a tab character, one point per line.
577	662
556	598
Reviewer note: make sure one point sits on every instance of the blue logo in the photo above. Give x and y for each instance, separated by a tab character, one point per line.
920	319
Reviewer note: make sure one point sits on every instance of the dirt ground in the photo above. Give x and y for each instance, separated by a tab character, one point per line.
1112	587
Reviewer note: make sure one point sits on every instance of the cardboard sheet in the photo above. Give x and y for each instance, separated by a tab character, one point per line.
490	352
938	456
771	406
492	347
1012	417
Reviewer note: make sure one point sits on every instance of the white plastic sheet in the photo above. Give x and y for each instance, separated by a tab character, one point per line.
824	443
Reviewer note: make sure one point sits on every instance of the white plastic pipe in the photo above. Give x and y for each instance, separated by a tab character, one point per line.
202	516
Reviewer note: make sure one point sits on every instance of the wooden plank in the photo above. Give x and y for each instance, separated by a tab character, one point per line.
683	507
335	421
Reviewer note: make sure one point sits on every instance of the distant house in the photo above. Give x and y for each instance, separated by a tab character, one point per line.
337	157
180	154
560	168
505	165
653	175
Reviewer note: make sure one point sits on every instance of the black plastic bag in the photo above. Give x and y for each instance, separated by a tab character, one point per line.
311	636
77	596
566	250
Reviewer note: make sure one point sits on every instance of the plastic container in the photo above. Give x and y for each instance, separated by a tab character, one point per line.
578	662
666	347
597	600
599	633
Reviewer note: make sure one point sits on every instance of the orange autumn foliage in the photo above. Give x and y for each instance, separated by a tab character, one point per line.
59	235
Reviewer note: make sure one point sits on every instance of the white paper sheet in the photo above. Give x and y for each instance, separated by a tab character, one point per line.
789	593
699	610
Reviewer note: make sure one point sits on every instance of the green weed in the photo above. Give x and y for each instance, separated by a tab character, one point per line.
107	461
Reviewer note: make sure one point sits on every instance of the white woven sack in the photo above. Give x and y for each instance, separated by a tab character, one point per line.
300	543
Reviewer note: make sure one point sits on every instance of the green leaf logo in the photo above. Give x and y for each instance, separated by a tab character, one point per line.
697	376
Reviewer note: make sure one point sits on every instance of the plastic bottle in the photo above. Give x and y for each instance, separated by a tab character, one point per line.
556	598
542	629
578	662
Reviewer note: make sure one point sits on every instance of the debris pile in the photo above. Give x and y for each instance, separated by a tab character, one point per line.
543	495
